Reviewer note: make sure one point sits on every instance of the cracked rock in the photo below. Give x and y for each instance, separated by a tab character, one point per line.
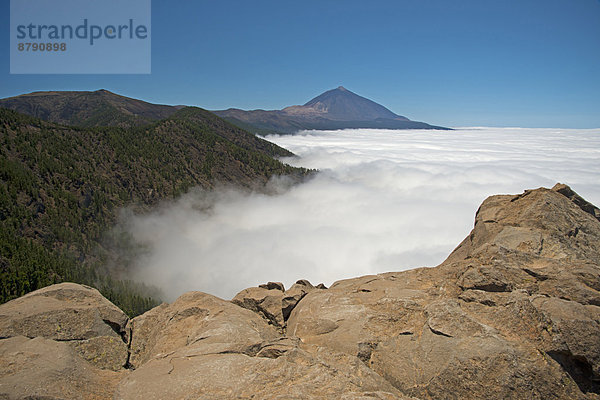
264	302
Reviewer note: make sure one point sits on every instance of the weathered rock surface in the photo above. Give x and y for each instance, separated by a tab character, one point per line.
55	341
514	312
264	302
293	371
204	347
577	199
66	311
197	321
104	352
76	314
47	369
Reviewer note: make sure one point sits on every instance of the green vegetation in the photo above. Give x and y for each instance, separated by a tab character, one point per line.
88	109
60	189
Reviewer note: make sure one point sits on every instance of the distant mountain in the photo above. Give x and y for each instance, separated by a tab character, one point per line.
98	108
61	188
335	109
342	105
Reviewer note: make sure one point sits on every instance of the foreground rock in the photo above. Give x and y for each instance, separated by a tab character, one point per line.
200	322
204	347
47	369
60	342
514	312
281	369
76	314
66	311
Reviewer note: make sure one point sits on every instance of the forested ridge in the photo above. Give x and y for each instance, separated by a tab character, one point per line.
61	187
88	109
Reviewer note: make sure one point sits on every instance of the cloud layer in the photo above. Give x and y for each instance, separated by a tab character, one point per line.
383	201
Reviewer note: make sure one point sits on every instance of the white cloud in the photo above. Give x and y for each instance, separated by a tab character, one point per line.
384	201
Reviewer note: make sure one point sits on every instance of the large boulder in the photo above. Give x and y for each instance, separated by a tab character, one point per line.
72	313
272	302
540	223
197	320
66	311
353	315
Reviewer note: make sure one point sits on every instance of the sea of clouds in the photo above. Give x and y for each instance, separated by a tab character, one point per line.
383	201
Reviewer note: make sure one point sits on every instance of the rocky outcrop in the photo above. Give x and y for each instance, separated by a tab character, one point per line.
200	322
62	341
514	312
578	200
264	302
204	347
76	314
272	302
66	311
294	294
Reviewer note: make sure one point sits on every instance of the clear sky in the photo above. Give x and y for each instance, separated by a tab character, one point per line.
529	63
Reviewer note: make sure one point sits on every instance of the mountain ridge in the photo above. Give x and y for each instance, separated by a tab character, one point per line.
88	108
334	109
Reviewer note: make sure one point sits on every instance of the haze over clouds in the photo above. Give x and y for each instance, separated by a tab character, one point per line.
383	201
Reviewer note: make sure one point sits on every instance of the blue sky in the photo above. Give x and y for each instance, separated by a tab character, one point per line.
456	63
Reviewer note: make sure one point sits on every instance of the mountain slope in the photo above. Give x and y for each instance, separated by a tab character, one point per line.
335	109
61	187
98	108
343	105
